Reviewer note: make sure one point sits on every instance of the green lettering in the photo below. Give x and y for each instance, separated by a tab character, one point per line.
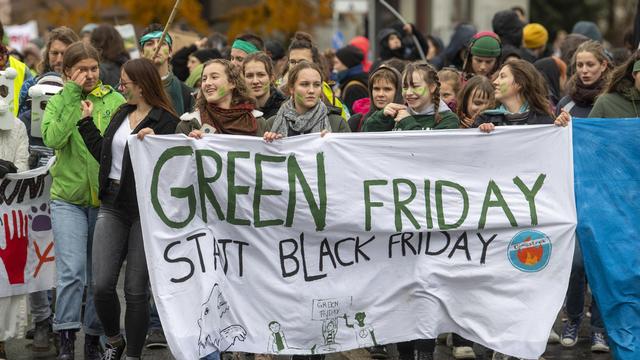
318	210
235	190
530	195
440	206
179	193
427	203
368	204
260	191
401	206
205	191
492	188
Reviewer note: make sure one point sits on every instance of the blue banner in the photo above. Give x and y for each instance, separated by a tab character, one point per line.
607	187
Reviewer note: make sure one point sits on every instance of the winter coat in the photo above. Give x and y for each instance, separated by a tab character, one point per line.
462	34
75	172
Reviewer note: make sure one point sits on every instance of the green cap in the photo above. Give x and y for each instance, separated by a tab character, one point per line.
486	46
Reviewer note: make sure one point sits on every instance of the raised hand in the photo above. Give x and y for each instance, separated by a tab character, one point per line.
14	255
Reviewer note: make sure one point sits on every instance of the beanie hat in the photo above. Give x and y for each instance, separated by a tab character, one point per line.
486	44
350	56
534	36
206	54
588	29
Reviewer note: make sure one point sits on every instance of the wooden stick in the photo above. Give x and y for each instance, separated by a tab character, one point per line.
166	28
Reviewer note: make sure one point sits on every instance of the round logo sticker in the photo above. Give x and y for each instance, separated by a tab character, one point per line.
529	251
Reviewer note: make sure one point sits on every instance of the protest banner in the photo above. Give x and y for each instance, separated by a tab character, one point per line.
26	238
608	202
313	245
21	35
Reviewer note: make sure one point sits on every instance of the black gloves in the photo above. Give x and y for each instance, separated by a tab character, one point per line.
7	167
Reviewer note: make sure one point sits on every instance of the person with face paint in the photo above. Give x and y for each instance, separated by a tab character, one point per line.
179	93
621	96
74	193
522	96
243	46
483	55
224	105
118	234
385	87
59	40
422	110
476	96
302	48
304	112
258	74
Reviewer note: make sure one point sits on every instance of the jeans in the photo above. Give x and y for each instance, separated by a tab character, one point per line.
72	235
40	305
576	293
212	356
154	318
118	236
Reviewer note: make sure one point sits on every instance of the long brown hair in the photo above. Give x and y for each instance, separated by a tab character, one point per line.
479	86
430	76
109	42
62	34
597	50
240	92
532	86
143	73
77	52
622	76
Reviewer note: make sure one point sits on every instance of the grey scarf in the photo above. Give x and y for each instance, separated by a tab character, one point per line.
313	121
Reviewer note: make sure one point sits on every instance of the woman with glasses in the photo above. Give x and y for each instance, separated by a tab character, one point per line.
118	234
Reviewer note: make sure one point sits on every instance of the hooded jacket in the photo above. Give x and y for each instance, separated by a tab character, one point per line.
459	41
356	121
75	172
509	27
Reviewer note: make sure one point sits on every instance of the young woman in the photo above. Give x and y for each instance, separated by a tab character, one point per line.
108	41
74	193
258	74
522	96
385	87
423	110
592	70
304	112
118	235
621	97
224	105
476	96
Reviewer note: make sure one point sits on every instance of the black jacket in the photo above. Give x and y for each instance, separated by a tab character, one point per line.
527	118
273	103
162	123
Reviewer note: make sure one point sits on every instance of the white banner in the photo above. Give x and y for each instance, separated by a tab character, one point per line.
26	236
21	35
314	245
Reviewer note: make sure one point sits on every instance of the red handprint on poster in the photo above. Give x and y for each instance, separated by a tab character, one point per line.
14	254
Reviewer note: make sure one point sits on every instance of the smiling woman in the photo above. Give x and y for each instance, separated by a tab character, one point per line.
224	105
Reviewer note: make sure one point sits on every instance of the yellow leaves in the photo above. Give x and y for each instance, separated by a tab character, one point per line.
278	16
140	13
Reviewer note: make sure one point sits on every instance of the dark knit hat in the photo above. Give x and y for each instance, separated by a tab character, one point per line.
350	56
206	54
486	44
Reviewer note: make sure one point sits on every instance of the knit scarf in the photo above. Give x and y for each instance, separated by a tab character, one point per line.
237	120
313	121
585	95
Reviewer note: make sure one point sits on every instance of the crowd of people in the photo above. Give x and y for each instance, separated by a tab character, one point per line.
512	75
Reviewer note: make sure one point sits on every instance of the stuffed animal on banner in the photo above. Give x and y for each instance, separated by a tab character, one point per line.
7	77
40	93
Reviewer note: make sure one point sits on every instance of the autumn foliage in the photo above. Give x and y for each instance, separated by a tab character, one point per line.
136	12
283	16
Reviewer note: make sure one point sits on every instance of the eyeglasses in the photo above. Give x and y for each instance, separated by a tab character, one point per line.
125	83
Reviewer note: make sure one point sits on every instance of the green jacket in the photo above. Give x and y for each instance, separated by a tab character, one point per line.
378	121
75	172
616	105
